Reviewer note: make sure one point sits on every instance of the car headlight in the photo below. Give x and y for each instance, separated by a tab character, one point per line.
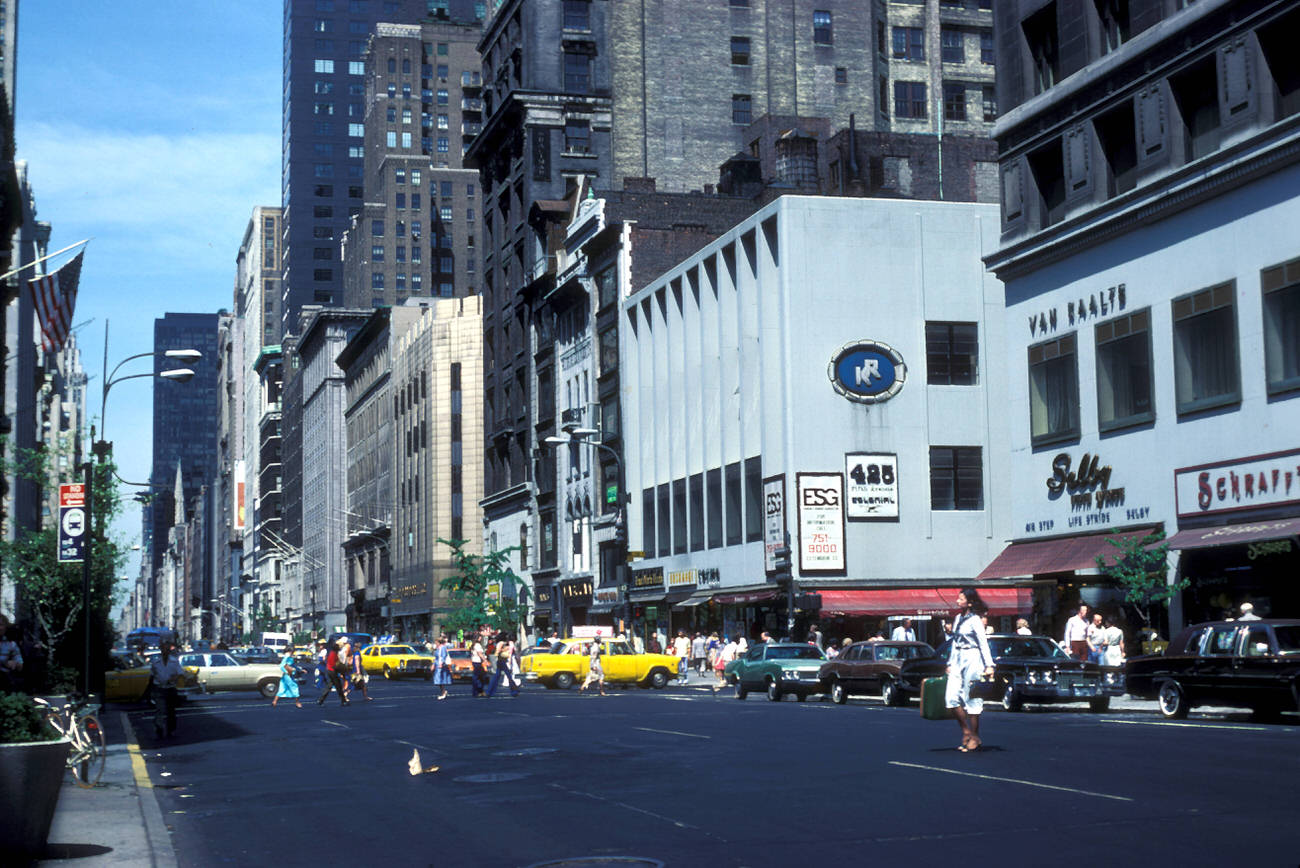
1113	677
790	673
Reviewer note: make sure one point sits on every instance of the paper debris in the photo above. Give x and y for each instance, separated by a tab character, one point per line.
416	767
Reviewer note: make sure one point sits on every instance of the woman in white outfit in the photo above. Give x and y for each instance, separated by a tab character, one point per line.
968	662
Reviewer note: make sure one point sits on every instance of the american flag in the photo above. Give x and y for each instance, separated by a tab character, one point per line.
55	295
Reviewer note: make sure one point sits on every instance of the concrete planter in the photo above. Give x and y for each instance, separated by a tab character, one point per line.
31	776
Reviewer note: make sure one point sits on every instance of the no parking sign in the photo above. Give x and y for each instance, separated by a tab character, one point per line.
72	522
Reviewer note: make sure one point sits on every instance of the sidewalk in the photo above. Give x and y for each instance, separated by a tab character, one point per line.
119	821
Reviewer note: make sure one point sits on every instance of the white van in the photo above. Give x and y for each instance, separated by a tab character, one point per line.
276	641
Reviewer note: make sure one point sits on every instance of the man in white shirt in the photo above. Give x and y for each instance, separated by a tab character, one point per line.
699	653
1076	634
1248	612
682	651
904	632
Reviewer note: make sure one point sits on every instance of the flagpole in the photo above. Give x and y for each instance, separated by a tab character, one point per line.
12	272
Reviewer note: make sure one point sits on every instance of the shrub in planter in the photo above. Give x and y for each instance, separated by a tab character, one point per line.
33	762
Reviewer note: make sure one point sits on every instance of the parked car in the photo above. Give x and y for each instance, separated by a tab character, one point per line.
396	661
777	668
458	661
1240	664
1026	669
257	655
221	671
359	640
869	667
570	660
128	679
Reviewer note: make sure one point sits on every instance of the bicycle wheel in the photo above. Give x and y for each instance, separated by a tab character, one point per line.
89	753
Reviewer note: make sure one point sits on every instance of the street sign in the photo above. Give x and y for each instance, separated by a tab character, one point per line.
72	522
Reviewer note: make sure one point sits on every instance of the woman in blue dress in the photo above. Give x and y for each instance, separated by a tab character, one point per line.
288	686
442	665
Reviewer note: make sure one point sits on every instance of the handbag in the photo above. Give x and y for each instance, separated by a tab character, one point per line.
934	705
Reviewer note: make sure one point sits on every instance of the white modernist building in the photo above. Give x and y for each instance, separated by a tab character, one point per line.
829	368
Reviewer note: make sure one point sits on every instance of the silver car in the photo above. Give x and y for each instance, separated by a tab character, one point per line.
220	671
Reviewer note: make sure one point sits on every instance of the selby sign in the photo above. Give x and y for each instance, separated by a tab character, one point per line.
867	372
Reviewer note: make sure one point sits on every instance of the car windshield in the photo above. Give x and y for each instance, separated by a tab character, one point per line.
795	652
1027	646
1288	638
459	654
400	649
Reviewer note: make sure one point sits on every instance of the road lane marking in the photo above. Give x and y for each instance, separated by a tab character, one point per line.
138	769
1011	781
671	732
678	823
332	723
1198	725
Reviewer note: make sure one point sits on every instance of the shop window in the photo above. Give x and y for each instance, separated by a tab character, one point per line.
753	499
1281	286
1053	391
697	512
713	486
956	478
679	516
734	500
665	523
648	520
952	353
1206	372
1124	371
1196	93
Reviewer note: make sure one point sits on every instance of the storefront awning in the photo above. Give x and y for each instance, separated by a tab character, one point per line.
746	597
1235	534
597	608
920	601
692	602
1061	555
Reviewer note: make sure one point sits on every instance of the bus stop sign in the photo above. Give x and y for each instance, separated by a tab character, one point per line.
72	522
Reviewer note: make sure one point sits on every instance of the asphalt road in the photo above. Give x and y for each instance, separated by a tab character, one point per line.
684	778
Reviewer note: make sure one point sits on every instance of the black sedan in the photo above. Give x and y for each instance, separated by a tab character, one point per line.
1026	669
1240	664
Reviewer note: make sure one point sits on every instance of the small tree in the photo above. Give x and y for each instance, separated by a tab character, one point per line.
1140	569
473	605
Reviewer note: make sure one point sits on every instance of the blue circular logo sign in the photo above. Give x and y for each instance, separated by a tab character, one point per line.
867	371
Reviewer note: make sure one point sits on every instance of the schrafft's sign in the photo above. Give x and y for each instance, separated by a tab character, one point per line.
820	499
72	523
1239	484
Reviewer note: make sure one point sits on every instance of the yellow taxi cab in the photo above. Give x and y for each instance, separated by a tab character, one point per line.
569	661
396	661
128	679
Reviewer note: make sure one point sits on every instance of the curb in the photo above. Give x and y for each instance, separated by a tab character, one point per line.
155	829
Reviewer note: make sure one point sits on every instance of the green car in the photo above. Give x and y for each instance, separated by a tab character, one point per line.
777	669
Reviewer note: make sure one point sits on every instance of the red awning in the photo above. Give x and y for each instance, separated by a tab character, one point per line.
921	601
1235	534
1062	555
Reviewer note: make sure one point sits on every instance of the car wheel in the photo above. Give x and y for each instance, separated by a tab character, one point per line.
1099	704
428	676
889	692
388	673
838	694
1172	701
659	679
269	687
1011	700
773	692
563	680
803	697
741	691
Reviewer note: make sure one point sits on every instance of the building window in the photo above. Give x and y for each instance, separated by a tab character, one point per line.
1113	17
822	30
444	213
400	253
390	138
1124	371
753	499
990	103
664	523
740	51
577	72
882	98
1196	93
577	15
713	484
954	101
741	112
406	116
909	100
376	280
322	274
956	477
951	45
1053	391
443	98
377	228
577	135
1206	373
909	43
986	46
406	140
357	152
952	353
444	144
322	253
356	67
1040	37
648	520
415	177
399	201
377	253
609	350
1281	286
324	66
444	122
841	75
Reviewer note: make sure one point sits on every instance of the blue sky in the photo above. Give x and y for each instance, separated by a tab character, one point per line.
155	129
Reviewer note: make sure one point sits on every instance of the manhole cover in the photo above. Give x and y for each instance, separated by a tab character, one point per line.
599	862
525	751
491	778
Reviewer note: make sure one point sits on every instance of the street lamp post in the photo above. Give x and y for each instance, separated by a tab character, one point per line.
579	437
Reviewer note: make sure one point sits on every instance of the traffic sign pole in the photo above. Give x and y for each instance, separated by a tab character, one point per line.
85	582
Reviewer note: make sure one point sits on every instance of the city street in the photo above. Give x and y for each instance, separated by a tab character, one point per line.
682	777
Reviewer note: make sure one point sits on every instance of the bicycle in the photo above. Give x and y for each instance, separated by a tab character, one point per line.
87	753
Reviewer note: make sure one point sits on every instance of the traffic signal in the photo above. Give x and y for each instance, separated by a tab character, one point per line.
781	558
